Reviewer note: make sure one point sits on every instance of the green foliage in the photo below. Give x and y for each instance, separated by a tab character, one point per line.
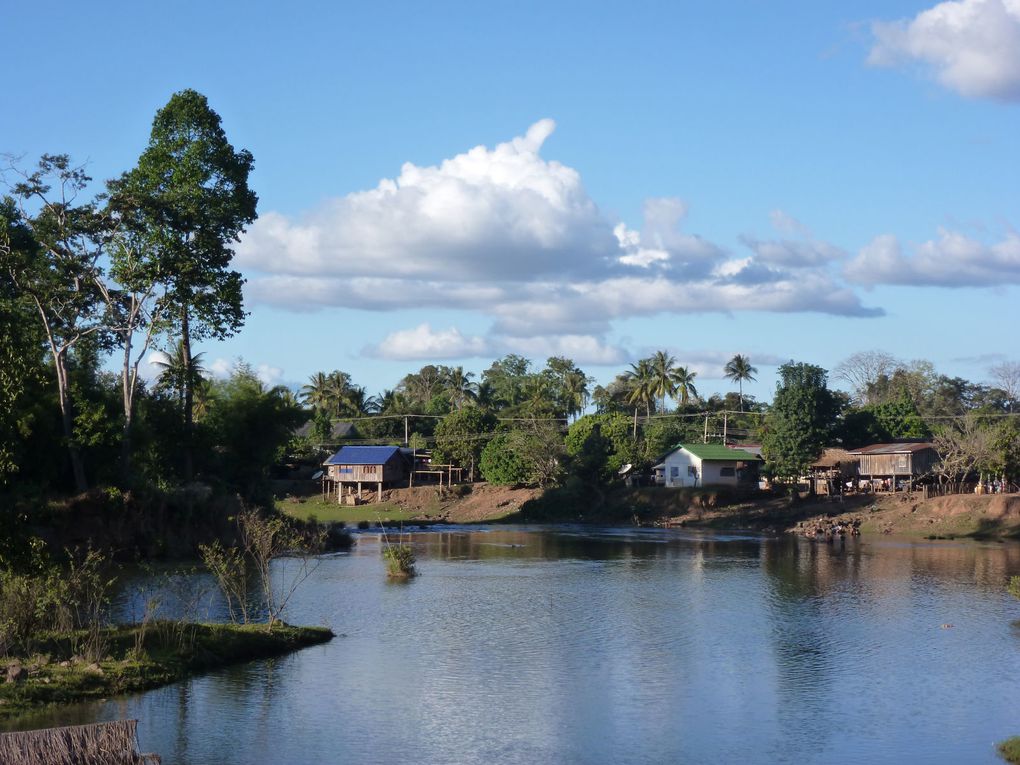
599	445
531	455
461	436
1009	749
248	428
661	435
400	561
501	464
801	420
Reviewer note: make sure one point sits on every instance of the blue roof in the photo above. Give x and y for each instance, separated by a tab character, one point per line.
363	455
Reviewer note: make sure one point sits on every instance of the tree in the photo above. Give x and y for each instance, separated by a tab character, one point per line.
801	420
1006	377
862	370
459	387
51	255
662	368
176	371
683	379
968	446
599	445
189	194
461	436
738	369
642	386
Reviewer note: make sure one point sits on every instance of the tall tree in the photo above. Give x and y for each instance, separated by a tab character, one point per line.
738	369
683	381
801	420
50	248
663	365
1006	377
642	386
190	193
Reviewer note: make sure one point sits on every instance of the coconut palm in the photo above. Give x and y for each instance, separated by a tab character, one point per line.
683	380
575	390
316	392
175	371
459	388
642	381
663	365
739	369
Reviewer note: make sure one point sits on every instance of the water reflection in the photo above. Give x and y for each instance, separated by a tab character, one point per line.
607	645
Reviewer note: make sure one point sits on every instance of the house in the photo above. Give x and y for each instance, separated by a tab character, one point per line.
708	465
353	466
339	431
890	465
829	473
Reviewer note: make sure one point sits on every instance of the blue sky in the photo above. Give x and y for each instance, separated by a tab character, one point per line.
599	180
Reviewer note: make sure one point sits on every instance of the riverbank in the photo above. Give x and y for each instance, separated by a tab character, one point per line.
139	658
464	503
962	515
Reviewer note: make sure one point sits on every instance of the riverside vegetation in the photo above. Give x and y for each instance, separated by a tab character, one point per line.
58	646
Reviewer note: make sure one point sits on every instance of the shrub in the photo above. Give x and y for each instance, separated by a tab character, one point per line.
1010	749
400	561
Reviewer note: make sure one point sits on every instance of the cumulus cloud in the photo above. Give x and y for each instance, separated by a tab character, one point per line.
508	234
422	342
951	260
971	46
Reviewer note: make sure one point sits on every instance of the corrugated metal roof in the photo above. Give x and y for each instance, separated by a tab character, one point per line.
339	430
893	448
717	452
363	455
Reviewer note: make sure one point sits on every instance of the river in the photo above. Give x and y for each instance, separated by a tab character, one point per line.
581	645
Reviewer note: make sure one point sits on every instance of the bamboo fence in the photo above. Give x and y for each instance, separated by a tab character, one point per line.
107	743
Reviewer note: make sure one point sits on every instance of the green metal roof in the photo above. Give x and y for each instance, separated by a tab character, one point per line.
717	452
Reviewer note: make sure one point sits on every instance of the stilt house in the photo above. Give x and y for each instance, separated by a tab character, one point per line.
886	465
354	466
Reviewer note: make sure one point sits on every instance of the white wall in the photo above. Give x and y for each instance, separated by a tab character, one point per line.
678	466
678	472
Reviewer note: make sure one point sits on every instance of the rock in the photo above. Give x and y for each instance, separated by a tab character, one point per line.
16	674
93	667
65	664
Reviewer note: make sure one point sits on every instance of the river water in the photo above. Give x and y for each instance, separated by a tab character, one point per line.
580	645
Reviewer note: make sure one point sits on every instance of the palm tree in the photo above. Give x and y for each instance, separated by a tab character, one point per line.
575	389
683	380
175	371
663	365
459	387
642	382
316	392
739	369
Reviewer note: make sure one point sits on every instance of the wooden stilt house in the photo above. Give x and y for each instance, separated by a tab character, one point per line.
351	468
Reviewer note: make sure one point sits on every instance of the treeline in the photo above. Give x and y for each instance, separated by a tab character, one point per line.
511	426
87	277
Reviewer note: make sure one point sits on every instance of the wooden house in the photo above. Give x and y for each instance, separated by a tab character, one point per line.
832	470
353	466
339	431
708	465
887	466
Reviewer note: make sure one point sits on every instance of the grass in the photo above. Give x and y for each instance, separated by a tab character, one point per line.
330	512
169	651
1010	749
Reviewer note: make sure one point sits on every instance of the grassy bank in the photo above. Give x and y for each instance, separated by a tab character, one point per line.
138	660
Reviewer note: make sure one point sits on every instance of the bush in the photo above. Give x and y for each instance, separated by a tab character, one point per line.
1010	749
400	561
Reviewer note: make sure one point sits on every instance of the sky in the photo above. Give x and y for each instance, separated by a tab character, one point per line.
449	182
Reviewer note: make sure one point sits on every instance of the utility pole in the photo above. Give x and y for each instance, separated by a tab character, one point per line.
406	441
725	415
704	439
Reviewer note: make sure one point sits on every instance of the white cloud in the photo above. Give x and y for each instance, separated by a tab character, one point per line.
972	46
502	213
220	368
951	260
422	342
507	234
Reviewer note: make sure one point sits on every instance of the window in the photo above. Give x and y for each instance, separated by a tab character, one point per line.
370	469
727	472
674	472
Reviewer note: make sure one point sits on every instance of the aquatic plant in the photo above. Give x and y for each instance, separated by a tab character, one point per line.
400	561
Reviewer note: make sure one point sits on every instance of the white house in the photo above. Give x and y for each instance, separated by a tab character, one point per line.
707	465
